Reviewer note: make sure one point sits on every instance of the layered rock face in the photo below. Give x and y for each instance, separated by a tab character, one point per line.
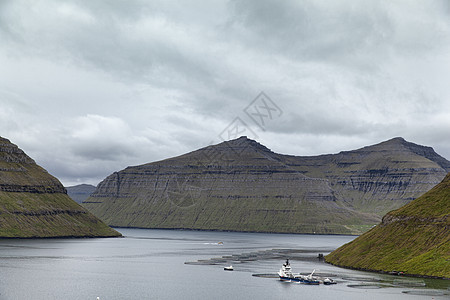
378	178
414	239
242	185
35	204
19	173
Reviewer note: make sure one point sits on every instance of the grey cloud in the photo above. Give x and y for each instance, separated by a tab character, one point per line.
315	30
134	44
114	83
321	30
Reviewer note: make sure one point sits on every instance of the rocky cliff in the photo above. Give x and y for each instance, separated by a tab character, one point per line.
35	204
242	185
414	239
378	178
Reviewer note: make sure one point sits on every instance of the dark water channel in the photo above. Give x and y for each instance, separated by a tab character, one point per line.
173	264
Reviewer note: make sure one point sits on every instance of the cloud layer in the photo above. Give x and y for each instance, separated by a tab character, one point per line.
90	87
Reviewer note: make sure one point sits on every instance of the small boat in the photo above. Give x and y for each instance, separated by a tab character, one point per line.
328	281
310	279
230	268
396	273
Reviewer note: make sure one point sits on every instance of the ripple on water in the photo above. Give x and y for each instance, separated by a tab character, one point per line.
366	286
363	279
266	275
409	283
425	293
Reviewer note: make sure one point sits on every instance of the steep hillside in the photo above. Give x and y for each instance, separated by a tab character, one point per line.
242	185
414	239
35	204
80	192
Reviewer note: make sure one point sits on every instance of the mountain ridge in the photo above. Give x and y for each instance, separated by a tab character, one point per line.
341	193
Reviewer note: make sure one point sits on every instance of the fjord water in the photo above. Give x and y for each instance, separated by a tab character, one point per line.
175	264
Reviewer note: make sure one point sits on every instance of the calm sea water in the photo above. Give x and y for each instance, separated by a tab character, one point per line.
172	264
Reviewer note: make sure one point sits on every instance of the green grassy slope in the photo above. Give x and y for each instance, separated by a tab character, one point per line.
34	204
414	239
256	215
27	215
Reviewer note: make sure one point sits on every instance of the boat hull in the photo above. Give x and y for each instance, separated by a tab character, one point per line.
313	282
300	280
282	278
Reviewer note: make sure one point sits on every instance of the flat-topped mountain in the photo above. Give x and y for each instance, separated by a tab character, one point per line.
33	203
80	192
242	185
414	239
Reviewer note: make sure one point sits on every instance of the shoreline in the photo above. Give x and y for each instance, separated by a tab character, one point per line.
223	230
60	237
387	272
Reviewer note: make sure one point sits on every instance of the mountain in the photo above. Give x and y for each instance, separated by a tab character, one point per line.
34	204
378	178
80	192
414	239
242	185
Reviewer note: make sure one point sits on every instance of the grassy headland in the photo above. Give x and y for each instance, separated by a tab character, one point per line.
414	239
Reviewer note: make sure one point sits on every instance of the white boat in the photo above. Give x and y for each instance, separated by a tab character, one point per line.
328	281
310	279
230	268
285	274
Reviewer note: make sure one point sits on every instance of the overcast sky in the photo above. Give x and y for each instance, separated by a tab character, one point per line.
91	87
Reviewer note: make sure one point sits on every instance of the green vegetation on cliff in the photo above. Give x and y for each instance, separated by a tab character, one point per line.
241	185
414	239
34	204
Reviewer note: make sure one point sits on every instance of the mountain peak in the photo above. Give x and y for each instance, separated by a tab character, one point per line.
237	145
243	137
394	142
398	139
243	143
399	145
12	153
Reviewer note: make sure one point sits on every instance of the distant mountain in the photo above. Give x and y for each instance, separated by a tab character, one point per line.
414	239
33	203
80	192
241	185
